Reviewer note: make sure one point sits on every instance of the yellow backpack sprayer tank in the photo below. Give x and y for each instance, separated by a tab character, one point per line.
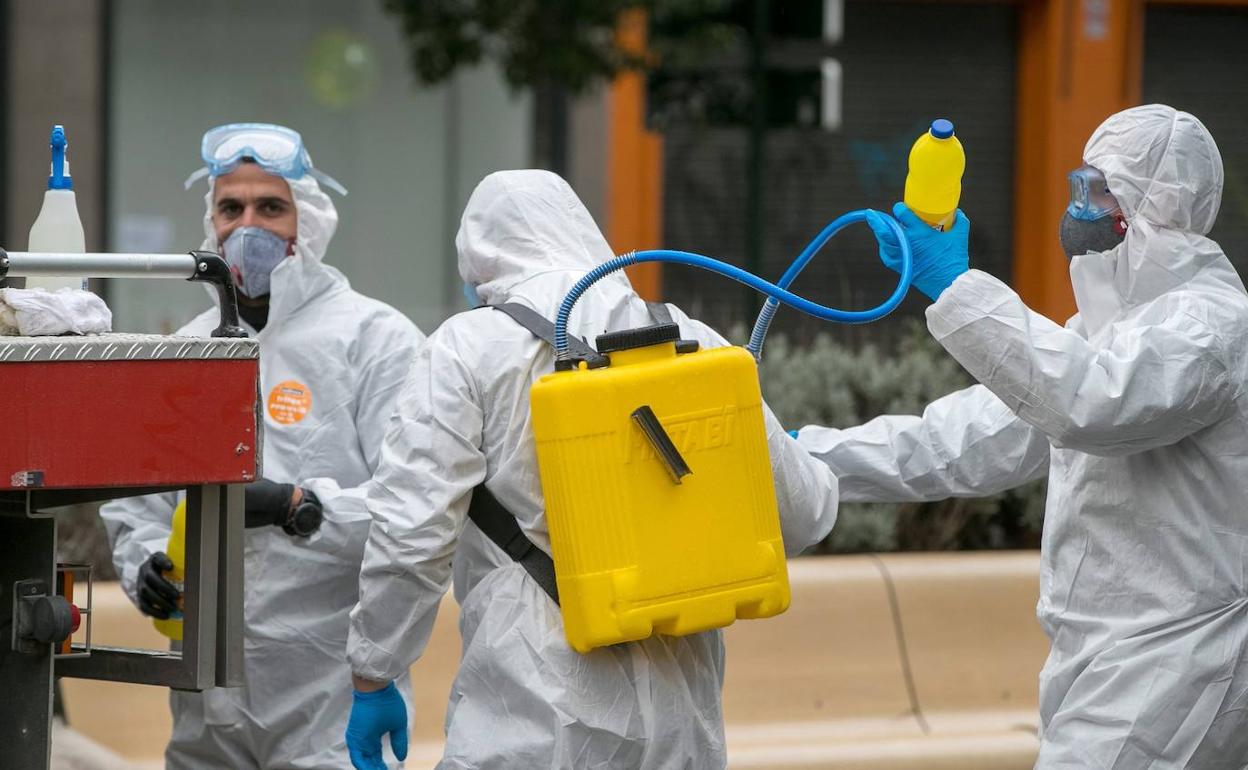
658	490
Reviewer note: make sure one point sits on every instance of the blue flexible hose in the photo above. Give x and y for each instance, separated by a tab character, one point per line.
765	316
777	293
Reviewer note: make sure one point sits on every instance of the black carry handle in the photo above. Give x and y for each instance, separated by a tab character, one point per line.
211	268
666	451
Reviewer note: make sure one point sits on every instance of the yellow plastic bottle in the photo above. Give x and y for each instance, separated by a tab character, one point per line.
643	545
176	551
934	183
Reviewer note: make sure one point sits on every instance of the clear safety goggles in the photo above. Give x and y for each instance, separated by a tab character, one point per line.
276	149
1090	198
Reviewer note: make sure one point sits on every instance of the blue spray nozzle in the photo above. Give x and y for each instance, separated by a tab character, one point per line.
59	178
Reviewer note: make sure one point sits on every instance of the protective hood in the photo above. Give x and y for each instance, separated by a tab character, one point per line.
1166	172
303	275
525	235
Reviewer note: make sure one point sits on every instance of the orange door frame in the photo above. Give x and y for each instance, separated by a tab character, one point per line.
634	166
1078	63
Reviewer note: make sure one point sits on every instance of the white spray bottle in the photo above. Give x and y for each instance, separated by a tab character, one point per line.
58	229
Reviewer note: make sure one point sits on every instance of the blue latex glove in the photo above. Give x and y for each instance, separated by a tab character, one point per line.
373	714
939	257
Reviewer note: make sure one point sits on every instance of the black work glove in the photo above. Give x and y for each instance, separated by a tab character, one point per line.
268	503
157	596
305	518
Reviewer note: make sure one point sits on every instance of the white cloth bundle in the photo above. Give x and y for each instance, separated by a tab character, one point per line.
38	312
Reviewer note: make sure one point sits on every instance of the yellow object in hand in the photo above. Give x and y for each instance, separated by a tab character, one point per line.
176	551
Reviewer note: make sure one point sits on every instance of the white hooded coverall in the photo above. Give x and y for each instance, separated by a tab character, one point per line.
347	354
522	696
1137	412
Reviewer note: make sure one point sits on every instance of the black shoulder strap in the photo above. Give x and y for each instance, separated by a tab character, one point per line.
659	313
500	526
498	523
544	330
540	327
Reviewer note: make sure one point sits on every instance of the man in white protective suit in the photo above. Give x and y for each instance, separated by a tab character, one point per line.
522	696
331	365
1136	410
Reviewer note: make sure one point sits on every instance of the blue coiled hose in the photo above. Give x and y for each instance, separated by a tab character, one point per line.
765	316
776	293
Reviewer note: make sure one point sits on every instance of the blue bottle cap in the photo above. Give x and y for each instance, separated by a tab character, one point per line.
942	129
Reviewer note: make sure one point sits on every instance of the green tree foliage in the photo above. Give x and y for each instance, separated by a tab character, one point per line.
571	43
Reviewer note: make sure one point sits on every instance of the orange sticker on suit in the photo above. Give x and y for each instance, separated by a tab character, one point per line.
289	402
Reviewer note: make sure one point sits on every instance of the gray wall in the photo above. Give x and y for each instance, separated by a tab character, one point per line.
588	133
54	53
409	156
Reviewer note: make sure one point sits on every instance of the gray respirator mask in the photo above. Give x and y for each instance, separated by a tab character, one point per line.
1093	222
252	253
1080	236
